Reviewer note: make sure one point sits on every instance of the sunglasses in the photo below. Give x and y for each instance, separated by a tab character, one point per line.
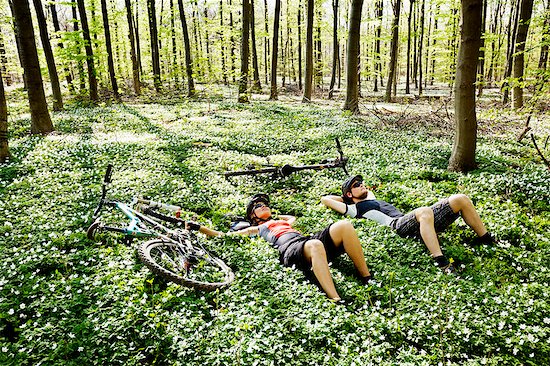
356	184
259	205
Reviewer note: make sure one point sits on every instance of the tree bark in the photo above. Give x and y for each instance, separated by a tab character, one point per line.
187	43
48	53
175	68
512	31
155	57
133	57
378	35
393	53
543	58
232	39
526	11
335	51
420	44
481	66
275	50
300	86
243	80
92	81
41	122
55	21
309	53
4	148
222	46
256	74
407	86
464	147
352	91
110	63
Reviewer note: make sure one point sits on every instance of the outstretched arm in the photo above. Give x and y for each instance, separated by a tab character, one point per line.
334	202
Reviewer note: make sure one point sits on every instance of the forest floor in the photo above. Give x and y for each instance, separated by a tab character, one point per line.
67	300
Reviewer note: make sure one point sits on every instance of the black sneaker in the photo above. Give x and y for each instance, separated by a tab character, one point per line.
448	269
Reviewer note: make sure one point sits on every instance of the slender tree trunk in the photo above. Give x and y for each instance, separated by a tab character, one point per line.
243	82
48	53
135	65
407	83
207	41
464	147
481	66
493	29
4	148
55	21
436	17
175	69
110	63
415	43
232	39
318	53
187	44
155	57
512	31
266	42
300	63
79	64
519	55
222	46
352	92
420	44
92	81
41	122
256	85
394	46
335	50
274	52
543	59
378	35
309	53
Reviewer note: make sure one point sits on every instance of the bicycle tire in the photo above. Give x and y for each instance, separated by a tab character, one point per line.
165	259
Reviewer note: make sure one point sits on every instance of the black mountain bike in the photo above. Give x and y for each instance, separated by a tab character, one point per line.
173	252
286	170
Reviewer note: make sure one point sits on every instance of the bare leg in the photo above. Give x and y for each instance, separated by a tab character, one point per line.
314	252
425	216
343	233
462	203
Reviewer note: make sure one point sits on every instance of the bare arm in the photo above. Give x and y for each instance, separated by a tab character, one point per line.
334	202
288	218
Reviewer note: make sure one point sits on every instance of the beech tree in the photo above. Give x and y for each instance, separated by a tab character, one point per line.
48	53
155	57
309	53
4	148
526	10
393	55
92	80
110	63
464	147
133	56
187	44
275	50
243	80
352	89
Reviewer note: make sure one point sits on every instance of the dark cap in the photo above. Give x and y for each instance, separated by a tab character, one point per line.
346	187
258	197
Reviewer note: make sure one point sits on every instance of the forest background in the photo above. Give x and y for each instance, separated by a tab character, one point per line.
174	93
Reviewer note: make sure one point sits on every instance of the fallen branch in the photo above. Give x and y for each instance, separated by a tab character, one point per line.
525	130
540	153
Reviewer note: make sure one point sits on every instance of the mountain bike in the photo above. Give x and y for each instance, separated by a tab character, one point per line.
287	169
173	252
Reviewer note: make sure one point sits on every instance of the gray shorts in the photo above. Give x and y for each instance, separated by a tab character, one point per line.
408	226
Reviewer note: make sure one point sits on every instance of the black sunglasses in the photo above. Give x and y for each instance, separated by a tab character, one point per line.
258	205
356	184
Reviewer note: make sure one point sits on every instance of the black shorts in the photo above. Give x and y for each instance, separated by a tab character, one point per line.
292	253
408	225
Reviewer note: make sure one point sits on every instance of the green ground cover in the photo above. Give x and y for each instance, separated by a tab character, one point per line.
67	300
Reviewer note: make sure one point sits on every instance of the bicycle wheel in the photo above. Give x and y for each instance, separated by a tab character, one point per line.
198	270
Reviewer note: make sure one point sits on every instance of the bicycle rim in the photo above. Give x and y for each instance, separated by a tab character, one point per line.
200	271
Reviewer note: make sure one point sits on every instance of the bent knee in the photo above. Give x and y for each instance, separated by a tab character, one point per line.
344	225
314	247
460	201
424	213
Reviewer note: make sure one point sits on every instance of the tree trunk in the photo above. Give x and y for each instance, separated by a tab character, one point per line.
56	28
352	92
335	51
464	147
79	63
243	80
175	68
543	59
92	81
274	52
519	55
318	53
378	35
420	44
48	53
481	66
4	148
135	65
407	86
300	86
187	43
232	39
138	43
155	57
222	46
393	48
512	31
309	53
41	122
256	84
110	63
